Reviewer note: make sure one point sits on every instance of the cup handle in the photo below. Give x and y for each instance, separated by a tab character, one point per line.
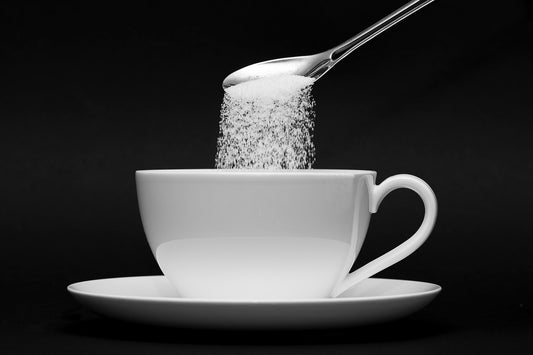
376	194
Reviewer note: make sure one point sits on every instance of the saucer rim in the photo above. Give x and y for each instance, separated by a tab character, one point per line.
436	289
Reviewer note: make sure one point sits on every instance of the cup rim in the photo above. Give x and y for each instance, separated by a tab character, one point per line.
252	172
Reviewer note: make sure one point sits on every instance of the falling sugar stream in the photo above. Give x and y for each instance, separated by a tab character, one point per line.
267	124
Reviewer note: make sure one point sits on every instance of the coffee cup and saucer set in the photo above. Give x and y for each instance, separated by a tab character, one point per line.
263	249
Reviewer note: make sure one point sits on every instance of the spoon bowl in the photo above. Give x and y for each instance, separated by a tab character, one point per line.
302	65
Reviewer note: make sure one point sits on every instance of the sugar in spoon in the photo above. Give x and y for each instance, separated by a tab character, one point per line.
315	66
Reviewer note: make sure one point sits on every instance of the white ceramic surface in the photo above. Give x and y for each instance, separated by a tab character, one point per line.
153	300
262	234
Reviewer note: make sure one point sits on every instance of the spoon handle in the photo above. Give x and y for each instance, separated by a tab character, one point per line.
342	50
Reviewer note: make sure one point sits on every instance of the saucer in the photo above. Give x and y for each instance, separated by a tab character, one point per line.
152	300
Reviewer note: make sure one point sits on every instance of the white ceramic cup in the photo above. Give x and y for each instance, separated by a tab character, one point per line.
261	234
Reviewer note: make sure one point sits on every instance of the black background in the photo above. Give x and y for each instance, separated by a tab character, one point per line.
91	92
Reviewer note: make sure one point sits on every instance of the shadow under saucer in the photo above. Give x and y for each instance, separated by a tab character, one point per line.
85	324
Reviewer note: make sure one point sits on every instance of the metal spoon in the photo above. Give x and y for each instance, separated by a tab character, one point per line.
316	65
